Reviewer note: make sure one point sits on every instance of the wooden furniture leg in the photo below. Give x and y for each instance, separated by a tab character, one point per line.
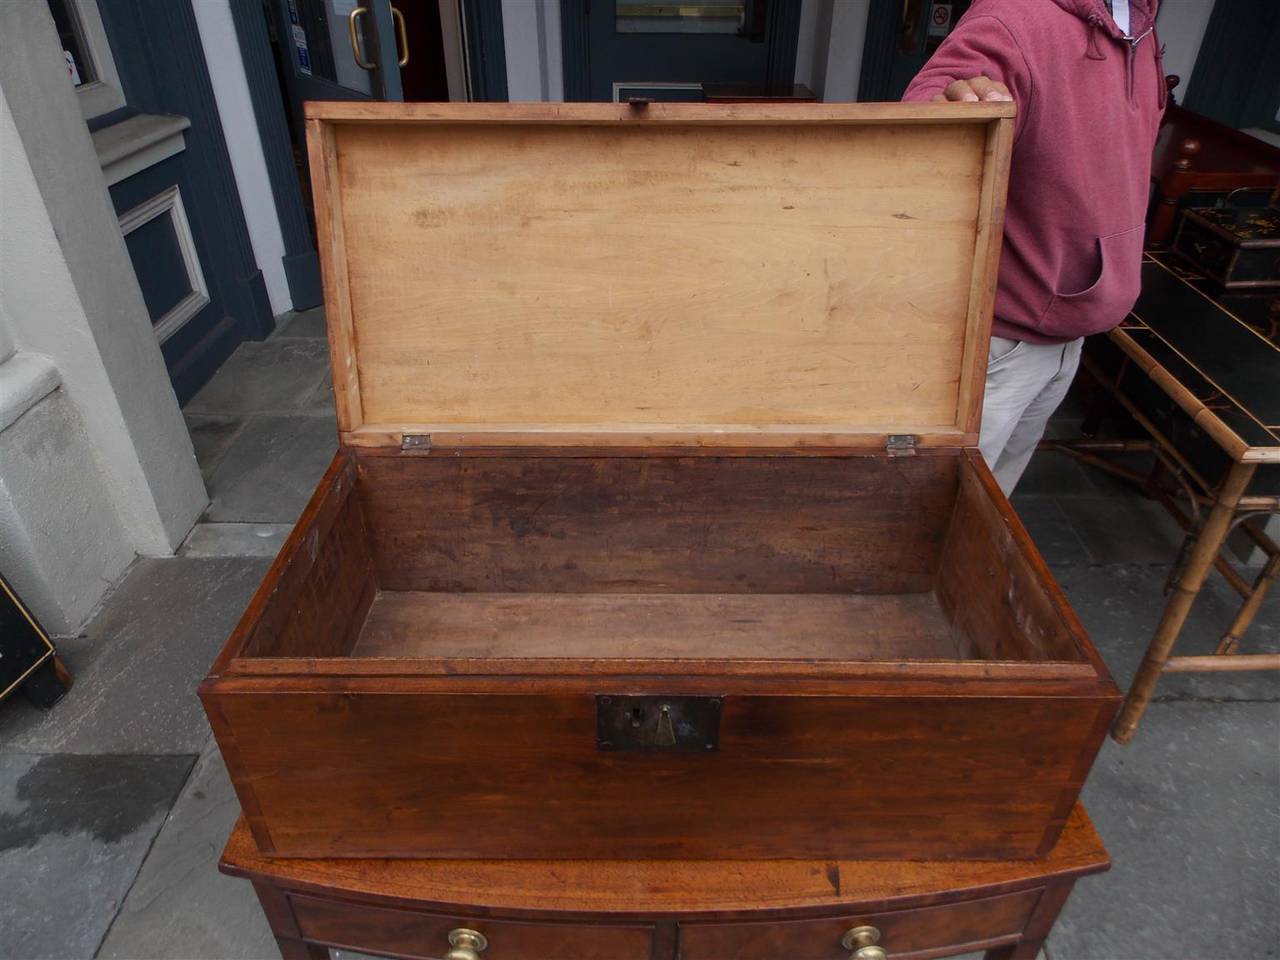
1037	931
1253	603
298	950
1192	578
48	684
1175	185
283	925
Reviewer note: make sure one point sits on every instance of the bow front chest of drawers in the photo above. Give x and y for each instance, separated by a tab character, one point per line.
663	910
657	528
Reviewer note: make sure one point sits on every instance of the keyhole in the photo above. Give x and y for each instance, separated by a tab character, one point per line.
637	716
666	735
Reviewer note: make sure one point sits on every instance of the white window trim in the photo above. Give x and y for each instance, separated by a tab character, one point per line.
141	141
620	85
170	202
105	93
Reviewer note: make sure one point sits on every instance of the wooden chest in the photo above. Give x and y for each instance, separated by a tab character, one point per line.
657	527
1239	247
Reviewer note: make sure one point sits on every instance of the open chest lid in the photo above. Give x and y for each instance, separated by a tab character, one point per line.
677	275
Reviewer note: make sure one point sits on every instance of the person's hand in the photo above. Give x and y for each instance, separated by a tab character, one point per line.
975	90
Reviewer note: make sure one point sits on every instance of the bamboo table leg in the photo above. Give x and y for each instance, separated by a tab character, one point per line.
1192	578
1252	604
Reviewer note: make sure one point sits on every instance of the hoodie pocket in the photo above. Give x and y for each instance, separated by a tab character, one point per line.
1105	302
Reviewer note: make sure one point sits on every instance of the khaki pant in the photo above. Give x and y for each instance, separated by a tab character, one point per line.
1025	384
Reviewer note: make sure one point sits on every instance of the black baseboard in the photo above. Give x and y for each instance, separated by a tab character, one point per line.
302	271
192	369
260	321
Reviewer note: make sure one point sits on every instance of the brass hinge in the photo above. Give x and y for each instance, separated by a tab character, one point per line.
901	444
415	443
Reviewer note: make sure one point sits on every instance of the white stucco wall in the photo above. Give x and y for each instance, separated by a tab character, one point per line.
829	54
1181	26
61	541
848	35
240	129
101	468
7	346
815	25
531	38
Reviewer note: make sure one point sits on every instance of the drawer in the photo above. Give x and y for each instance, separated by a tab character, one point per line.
408	933
903	933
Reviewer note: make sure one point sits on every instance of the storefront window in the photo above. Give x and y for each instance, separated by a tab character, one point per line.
74	48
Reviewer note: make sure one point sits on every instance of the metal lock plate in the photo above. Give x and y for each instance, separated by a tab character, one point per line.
658	723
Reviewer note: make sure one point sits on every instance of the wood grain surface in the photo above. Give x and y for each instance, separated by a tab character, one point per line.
657	524
676	626
728	267
510	775
683	889
988	585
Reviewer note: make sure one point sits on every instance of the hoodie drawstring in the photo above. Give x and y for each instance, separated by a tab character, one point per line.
1094	51
1162	89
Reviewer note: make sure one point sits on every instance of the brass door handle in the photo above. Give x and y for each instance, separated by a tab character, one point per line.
398	17
353	27
466	944
863	942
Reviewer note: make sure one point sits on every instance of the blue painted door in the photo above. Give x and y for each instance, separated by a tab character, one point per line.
667	51
181	217
338	50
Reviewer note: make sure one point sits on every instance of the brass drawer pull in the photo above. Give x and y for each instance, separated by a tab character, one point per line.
466	944
864	944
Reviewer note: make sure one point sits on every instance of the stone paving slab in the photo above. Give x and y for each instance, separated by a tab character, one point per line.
1056	474
1130	530
212	435
268	376
1189	813
1120	606
180	905
304	323
137	670
272	469
1053	534
73	832
321	402
235	540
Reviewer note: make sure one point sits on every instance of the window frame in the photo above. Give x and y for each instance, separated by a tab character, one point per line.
104	93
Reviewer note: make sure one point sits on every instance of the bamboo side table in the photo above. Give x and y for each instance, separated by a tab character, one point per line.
663	910
1217	466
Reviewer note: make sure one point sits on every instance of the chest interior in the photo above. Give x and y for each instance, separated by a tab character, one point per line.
839	558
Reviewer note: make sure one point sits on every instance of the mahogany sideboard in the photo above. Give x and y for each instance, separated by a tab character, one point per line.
659	909
1197	159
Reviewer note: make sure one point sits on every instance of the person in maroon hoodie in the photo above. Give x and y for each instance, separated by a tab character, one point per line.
1088	82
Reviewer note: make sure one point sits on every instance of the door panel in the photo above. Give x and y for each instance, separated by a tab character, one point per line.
924	25
337	50
666	51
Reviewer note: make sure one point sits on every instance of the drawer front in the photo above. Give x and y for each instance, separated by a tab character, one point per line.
903	933
425	936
